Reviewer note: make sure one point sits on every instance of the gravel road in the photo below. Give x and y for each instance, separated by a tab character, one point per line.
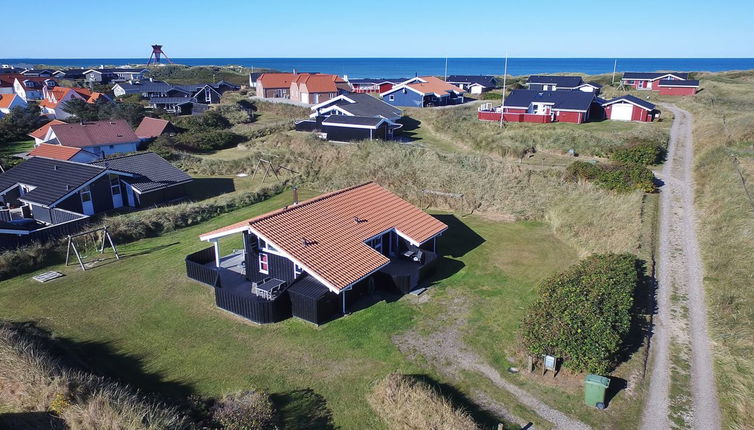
681	317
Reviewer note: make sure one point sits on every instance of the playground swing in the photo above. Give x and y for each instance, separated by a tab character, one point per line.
89	246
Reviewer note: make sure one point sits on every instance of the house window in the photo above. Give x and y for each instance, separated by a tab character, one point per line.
207	96
264	263
86	194
266	246
115	184
297	270
404	91
391	98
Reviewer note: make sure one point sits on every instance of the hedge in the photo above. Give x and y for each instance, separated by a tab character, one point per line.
616	177
644	153
584	314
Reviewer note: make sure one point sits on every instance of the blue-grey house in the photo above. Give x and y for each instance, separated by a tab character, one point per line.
423	91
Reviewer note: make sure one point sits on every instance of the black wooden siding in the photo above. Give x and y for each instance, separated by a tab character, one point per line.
255	308
312	301
347	134
160	196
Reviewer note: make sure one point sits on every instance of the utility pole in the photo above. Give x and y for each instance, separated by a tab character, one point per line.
502	104
615	66
446	69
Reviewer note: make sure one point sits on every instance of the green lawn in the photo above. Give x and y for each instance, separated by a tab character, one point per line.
141	320
10	148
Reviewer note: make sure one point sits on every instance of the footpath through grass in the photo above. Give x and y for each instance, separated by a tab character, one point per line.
144	322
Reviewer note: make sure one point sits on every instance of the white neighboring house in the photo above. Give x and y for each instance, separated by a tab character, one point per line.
103	138
10	101
30	88
55	99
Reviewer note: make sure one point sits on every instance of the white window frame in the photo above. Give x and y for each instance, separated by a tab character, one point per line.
297	270
266	262
391	98
115	187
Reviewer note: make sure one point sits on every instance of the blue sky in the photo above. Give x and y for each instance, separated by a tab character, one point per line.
237	28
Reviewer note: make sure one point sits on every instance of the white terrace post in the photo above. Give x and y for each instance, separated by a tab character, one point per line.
217	252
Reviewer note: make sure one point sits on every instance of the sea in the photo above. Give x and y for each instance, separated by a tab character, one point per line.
408	67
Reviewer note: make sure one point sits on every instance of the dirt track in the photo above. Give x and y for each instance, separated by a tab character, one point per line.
451	356
681	319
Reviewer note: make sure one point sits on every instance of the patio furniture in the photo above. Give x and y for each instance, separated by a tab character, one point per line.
418	256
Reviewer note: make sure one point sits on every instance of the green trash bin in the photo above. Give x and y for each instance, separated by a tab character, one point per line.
595	390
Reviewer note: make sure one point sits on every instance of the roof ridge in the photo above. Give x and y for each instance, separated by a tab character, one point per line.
307	202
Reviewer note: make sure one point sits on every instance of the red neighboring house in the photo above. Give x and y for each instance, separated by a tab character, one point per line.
544	107
630	108
274	85
314	88
374	86
672	84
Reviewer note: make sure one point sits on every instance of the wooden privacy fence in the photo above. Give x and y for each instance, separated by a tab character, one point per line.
197	269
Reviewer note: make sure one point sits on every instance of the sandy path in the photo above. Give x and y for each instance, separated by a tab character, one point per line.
447	352
681	317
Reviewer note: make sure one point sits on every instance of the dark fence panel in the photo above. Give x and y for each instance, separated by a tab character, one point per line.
255	308
306	125
60	216
4	215
43	235
197	269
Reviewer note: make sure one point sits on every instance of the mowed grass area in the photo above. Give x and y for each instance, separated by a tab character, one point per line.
9	148
143	321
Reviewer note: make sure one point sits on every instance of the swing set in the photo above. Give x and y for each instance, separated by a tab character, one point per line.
93	241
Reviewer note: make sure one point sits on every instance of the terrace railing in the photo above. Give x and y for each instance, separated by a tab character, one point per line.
197	267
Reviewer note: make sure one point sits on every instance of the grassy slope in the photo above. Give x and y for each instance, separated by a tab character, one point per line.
458	129
10	148
724	127
143	307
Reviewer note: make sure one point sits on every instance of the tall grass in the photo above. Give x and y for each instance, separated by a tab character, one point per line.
724	126
31	380
598	139
406	403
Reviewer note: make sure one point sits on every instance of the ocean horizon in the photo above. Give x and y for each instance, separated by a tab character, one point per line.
375	67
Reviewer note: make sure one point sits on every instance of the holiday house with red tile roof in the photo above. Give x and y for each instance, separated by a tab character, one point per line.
103	138
423	91
10	101
40	133
55	98
313	259
65	153
26	87
151	128
314	88
274	85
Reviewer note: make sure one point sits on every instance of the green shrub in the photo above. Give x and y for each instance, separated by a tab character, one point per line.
615	177
210	120
584	314
206	140
234	113
249	410
644	153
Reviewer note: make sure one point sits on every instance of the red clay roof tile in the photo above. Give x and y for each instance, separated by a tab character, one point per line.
327	234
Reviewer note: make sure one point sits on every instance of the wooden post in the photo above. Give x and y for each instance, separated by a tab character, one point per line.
217	252
110	239
78	257
68	251
531	364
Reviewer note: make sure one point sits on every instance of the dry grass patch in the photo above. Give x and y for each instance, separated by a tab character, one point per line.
32	381
406	403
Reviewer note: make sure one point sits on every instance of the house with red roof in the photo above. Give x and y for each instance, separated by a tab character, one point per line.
39	134
151	128
103	138
274	85
65	153
10	101
55	98
26	87
423	91
314	88
670	83
314	259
